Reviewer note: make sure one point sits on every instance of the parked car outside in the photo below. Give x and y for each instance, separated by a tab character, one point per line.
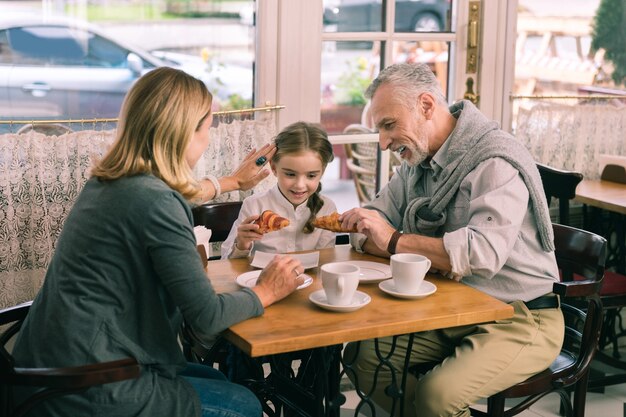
66	68
367	16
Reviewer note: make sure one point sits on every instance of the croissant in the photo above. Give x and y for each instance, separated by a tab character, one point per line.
332	223
271	222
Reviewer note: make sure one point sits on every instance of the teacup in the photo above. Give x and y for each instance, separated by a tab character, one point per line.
408	271
340	281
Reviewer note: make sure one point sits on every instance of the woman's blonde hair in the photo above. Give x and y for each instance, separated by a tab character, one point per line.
299	137
159	116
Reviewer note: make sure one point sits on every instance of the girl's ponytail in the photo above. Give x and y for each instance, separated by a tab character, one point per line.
315	204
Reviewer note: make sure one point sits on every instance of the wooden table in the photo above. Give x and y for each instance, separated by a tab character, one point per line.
295	323
606	195
609	196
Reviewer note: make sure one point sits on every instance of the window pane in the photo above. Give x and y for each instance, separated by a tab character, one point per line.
94	51
422	15
554	55
435	54
367	15
353	16
347	69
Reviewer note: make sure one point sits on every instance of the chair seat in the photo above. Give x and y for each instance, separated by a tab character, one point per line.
614	284
542	381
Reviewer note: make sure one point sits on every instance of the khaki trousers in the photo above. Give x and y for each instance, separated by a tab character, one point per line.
476	361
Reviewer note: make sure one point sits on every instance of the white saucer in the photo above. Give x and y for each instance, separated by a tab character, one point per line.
360	300
372	272
308	260
426	288
248	279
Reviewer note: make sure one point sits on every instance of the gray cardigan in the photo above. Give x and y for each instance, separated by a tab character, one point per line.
124	274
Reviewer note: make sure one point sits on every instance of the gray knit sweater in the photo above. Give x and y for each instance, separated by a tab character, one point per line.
124	274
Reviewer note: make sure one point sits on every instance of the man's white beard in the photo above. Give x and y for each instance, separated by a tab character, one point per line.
418	155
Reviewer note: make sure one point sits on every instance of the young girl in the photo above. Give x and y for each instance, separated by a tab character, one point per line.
302	154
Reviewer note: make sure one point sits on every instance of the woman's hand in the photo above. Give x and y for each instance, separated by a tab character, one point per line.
249	173
247	232
279	279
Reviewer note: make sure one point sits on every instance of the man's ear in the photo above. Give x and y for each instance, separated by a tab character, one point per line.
426	103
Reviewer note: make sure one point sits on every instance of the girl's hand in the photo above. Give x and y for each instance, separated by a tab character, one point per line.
249	173
247	232
279	279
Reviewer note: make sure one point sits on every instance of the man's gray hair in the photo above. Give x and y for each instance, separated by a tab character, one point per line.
409	81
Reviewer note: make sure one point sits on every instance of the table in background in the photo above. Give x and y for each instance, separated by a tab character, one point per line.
295	323
610	197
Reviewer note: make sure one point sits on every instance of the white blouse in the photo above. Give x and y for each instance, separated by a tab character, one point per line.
289	239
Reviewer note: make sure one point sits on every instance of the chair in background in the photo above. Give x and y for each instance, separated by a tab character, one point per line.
560	184
54	382
362	162
219	217
582	253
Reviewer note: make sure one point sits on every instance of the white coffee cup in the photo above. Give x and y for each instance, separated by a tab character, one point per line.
408	271
340	280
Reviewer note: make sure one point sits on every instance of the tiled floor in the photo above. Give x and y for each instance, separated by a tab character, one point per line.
609	404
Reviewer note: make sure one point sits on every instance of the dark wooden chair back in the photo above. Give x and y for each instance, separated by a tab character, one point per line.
54	382
219	217
559	184
582	253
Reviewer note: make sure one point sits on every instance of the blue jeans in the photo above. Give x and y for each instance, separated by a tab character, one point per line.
218	396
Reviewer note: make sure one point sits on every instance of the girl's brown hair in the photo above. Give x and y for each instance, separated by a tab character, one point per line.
299	137
159	116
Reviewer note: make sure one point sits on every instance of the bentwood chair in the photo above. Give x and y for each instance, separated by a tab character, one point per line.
219	217
562	184
582	253
53	382
577	252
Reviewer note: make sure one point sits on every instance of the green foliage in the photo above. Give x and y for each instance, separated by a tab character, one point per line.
236	102
609	33
115	12
353	83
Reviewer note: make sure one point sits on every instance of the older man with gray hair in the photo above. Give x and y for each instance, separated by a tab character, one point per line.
469	197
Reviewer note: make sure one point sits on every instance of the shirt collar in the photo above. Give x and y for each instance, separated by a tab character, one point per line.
437	162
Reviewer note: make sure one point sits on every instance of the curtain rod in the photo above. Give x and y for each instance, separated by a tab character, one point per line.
90	121
565	97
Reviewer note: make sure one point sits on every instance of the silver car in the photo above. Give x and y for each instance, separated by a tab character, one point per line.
62	68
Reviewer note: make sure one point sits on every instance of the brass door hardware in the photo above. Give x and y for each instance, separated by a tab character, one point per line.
473	36
469	91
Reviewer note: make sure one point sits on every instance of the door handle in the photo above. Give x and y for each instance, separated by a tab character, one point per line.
37	89
473	37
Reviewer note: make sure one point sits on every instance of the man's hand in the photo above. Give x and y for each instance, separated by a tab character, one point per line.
371	224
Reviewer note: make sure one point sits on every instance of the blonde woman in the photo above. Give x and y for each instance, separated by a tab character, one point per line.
126	271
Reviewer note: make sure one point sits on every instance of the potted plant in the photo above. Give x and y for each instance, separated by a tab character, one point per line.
348	98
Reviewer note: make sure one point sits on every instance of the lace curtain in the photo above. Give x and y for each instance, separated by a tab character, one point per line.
41	176
572	137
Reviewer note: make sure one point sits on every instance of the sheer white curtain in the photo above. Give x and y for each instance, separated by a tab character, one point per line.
41	176
572	137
